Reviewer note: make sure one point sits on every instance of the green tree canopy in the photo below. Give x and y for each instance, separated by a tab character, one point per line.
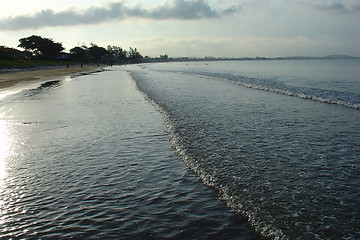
134	56
96	53
78	53
164	57
41	47
3	54
116	53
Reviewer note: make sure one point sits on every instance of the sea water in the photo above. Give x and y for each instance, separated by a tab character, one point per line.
278	142
88	158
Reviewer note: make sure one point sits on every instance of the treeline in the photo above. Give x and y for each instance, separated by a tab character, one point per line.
109	55
40	48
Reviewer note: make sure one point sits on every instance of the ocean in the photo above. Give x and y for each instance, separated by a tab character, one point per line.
185	150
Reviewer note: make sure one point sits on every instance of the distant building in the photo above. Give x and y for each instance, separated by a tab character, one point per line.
63	56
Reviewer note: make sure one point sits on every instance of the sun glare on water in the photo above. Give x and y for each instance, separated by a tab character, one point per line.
5	147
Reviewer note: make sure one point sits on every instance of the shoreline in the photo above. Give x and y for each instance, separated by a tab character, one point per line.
15	77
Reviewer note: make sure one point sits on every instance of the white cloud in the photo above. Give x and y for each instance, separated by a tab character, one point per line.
177	9
200	28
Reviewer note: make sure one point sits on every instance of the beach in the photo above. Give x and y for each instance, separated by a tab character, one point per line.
12	77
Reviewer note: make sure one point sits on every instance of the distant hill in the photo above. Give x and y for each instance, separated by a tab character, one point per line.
339	57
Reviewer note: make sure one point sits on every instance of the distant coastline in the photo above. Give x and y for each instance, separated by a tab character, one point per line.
185	59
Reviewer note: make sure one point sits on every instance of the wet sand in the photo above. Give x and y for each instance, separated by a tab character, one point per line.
14	77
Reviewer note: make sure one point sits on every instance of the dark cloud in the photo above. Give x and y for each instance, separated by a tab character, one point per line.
178	9
337	7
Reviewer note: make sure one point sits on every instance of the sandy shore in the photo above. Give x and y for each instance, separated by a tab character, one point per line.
12	78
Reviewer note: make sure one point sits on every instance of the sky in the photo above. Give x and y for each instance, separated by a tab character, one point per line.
191	28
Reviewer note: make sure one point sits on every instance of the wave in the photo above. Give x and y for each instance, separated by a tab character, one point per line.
206	176
349	100
219	152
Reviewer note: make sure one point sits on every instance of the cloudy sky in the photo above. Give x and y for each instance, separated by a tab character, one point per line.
221	28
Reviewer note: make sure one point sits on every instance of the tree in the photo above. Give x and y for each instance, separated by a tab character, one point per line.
96	53
41	47
164	57
116	53
78	53
134	56
3	54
